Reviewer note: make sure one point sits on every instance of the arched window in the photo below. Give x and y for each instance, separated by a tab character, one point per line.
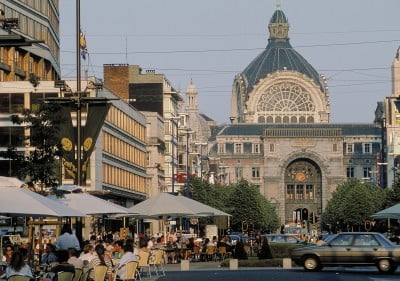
261	119
293	119
310	119
302	119
270	120
278	119
285	97
286	119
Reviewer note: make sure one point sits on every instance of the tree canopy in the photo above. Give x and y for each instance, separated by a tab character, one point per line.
351	204
242	200
40	165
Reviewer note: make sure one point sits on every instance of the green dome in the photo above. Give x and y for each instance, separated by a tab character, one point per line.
279	55
278	17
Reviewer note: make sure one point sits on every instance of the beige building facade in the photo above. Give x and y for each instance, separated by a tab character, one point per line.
34	21
281	139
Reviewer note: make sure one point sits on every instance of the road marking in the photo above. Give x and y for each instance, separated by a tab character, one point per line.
384	279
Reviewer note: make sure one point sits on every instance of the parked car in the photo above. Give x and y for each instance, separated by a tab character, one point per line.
282	238
350	249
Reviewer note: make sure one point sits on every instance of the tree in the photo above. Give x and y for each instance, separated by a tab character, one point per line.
351	205
249	205
39	165
392	195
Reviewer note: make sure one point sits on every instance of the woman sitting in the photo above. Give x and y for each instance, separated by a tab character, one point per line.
100	259
18	266
50	256
8	251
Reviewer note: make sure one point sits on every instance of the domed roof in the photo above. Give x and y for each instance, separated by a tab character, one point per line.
279	55
278	17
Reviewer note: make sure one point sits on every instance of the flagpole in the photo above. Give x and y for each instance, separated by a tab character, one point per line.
78	90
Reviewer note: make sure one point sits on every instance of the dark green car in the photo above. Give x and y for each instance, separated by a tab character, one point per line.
350	249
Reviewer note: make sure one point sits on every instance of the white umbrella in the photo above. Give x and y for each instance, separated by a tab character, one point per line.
23	202
165	204
10	182
91	205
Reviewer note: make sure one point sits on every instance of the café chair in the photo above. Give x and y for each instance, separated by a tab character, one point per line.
78	274
65	276
100	272
130	273
158	261
144	262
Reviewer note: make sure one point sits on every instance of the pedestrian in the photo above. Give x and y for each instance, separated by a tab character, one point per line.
67	240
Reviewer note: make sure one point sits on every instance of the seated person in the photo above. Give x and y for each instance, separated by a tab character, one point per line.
18	266
118	249
50	256
62	265
128	256
8	251
73	258
88	253
101	259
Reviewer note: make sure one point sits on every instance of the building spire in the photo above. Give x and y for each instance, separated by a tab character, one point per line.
278	4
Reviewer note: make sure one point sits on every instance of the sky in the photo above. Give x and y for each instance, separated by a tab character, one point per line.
352	42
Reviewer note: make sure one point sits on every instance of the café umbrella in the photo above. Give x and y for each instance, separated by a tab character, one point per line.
90	204
16	201
167	205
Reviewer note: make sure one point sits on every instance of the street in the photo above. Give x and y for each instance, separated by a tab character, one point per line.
298	274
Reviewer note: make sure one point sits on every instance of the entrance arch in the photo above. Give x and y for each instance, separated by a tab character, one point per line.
303	189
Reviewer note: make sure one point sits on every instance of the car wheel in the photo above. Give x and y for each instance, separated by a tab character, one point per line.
386	266
311	263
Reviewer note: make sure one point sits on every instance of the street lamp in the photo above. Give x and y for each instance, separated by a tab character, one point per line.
201	144
173	143
187	132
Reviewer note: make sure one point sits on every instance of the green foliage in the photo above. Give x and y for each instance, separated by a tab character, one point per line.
351	204
282	250
392	195
243	201
40	165
249	205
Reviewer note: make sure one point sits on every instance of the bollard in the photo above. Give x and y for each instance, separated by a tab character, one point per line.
185	266
287	263
233	264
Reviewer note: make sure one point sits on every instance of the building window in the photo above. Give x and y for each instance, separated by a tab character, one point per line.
256	148
238	173
335	147
290	192
221	148
367	172
309	192
238	148
255	172
350	172
299	191
271	147
349	148
367	148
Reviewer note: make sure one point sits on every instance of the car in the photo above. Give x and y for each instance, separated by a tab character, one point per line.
350	249
283	238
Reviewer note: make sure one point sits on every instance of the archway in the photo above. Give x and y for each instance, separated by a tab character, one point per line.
303	191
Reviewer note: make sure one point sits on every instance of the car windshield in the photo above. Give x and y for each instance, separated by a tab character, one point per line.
342	240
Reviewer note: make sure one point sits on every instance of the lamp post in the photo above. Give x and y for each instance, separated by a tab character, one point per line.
201	144
187	191
79	94
174	126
